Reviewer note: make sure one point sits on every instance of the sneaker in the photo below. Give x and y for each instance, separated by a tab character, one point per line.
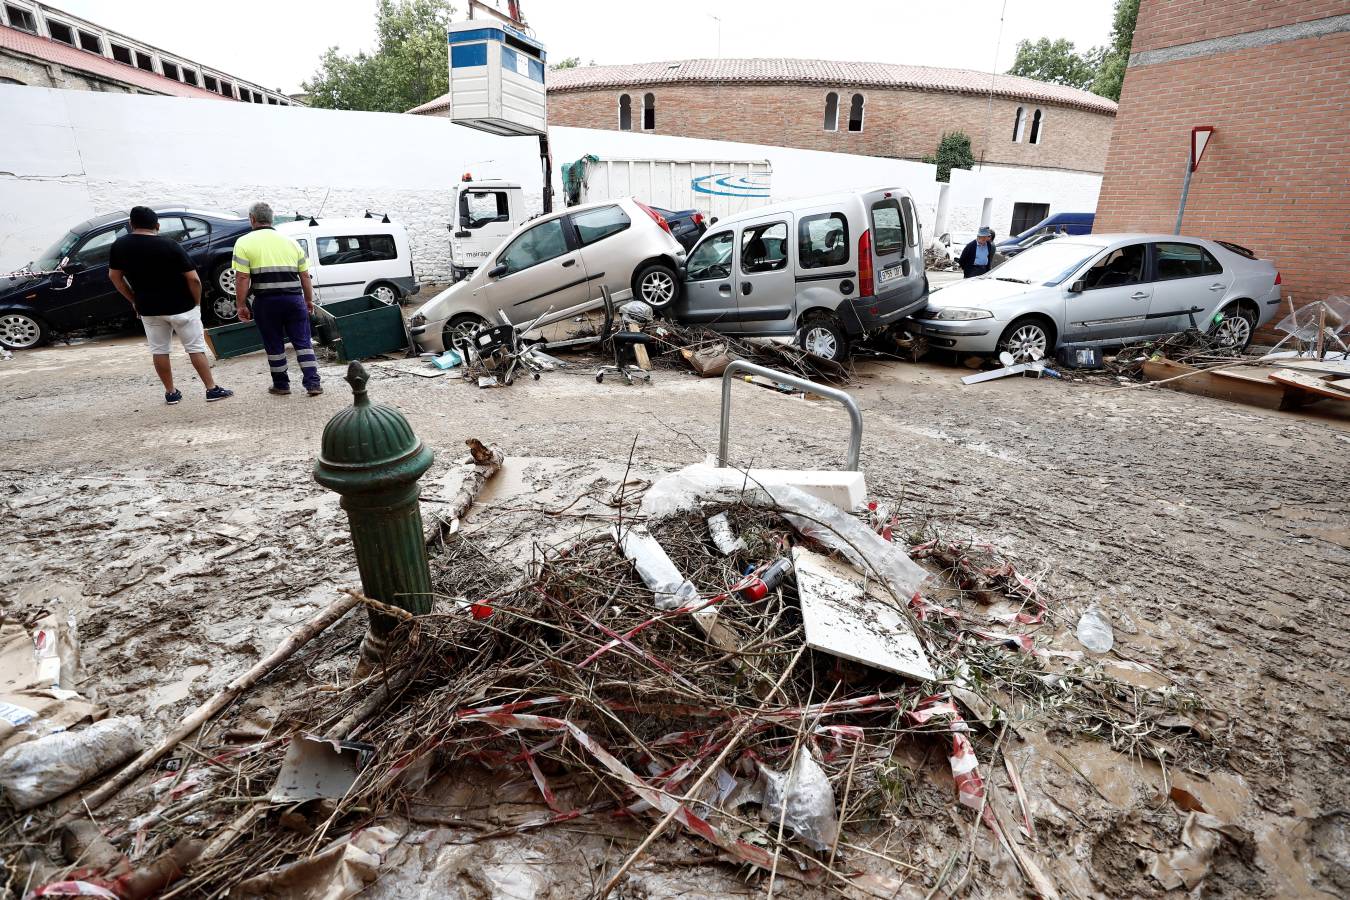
314	391
218	393
280	392
172	397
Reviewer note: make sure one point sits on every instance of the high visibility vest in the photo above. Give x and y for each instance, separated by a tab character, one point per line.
272	261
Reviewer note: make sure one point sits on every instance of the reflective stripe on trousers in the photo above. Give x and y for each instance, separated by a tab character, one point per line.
281	317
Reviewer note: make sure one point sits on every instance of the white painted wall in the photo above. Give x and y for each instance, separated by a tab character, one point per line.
69	155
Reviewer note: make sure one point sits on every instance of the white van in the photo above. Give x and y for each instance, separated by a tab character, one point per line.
354	257
827	270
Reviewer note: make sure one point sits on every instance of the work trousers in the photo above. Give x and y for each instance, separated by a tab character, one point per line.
282	317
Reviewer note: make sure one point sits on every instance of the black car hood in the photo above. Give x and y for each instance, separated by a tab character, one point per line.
12	287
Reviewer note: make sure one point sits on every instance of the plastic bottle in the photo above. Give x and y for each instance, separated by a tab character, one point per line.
1094	630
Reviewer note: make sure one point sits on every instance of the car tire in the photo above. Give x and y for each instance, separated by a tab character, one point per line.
821	335
1026	334
461	326
20	330
384	292
656	285
1234	331
218	309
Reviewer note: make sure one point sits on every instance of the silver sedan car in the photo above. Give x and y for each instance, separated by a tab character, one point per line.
1104	290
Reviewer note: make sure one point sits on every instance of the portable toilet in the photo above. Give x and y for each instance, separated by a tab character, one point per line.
497	78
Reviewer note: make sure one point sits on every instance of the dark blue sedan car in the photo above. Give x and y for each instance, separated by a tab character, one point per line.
67	287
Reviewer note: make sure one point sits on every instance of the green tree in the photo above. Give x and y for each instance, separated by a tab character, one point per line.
1111	72
1056	62
410	64
953	152
570	63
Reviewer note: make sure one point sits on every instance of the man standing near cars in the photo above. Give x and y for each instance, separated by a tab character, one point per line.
978	256
162	286
275	268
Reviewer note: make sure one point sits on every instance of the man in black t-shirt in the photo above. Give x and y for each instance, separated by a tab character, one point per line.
163	287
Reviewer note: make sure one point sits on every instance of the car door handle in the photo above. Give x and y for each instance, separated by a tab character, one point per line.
724	289
1139	295
1216	287
746	288
569	262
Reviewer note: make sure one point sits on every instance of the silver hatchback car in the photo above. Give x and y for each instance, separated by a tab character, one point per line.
1103	290
554	267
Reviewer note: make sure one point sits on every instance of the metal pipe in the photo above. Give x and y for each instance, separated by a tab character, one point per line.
1185	189
740	365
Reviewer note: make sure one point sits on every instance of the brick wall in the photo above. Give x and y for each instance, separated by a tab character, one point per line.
1275	173
897	123
1166	24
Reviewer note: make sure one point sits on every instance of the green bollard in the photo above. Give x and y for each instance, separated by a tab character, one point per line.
371	457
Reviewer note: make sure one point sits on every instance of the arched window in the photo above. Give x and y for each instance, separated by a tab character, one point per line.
855	113
625	112
648	112
1018	120
831	111
1036	127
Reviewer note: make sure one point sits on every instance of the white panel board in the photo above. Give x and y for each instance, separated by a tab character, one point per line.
848	619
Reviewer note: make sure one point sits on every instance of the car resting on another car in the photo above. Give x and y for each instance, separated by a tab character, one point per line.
67	287
1103	290
553	267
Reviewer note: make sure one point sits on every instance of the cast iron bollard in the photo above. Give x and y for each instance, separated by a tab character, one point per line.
372	458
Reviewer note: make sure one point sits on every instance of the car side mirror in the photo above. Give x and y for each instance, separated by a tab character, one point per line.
497	271
1077	287
713	220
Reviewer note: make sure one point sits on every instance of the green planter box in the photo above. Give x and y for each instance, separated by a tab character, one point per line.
235	339
362	327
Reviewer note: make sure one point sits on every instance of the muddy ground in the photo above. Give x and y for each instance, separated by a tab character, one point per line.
1216	537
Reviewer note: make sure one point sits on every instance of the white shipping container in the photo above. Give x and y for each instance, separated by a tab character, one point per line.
714	187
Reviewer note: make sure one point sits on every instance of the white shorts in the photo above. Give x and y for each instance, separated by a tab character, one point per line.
188	326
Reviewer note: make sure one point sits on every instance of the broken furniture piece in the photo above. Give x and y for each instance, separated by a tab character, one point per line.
1010	367
628	344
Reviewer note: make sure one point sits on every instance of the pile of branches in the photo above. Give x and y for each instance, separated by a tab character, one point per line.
571	678
1191	347
785	357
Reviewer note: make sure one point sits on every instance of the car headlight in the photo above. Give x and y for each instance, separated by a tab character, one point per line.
956	313
418	320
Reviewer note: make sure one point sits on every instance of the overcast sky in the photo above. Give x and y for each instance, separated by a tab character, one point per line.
277	43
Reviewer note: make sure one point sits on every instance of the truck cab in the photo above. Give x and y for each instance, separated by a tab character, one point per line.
485	212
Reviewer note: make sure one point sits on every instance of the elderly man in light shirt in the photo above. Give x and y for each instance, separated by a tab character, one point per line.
979	255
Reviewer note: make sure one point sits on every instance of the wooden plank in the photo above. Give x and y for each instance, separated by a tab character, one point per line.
1265	394
1304	381
1338	367
640	352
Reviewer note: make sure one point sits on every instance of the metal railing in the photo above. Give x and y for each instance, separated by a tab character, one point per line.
740	365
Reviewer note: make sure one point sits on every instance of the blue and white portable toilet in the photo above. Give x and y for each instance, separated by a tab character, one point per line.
497	78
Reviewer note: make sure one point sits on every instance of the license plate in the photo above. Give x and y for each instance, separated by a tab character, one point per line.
890	274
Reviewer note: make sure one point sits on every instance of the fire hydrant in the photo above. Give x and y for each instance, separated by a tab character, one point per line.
371	457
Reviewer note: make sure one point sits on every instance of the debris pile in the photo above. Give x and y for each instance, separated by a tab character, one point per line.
751	687
708	353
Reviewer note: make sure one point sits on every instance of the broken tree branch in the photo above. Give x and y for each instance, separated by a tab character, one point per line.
204	713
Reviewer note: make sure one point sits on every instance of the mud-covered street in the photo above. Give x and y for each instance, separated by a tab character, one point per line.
1215	537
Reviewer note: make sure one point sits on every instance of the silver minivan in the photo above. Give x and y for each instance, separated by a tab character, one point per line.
827	270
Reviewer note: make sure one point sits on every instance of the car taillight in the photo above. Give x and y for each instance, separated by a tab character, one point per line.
656	216
698	219
866	281
1277	277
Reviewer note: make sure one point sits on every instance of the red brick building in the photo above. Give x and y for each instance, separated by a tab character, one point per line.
872	109
1271	78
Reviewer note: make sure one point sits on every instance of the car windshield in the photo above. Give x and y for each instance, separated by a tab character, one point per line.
1047	263
52	256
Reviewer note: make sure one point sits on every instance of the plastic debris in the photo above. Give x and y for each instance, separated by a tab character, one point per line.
37	771
655	569
315	767
804	801
447	360
1094	631
726	542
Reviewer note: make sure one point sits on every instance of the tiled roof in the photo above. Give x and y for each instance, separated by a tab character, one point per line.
813	71
72	58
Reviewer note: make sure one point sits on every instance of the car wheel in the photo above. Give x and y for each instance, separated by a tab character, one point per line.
222	279
384	292
222	309
1234	330
657	286
21	331
1027	340
461	328
821	336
